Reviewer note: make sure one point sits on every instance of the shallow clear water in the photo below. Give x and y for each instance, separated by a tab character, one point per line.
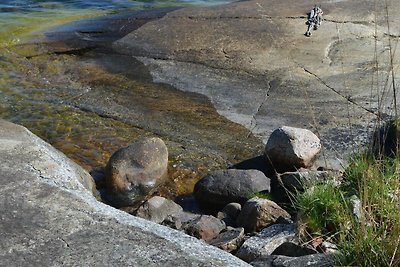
38	92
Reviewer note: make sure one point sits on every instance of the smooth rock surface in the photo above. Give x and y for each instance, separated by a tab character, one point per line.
221	187
265	242
258	213
157	209
48	218
133	172
262	72
290	148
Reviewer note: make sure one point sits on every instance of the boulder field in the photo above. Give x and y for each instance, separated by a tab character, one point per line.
50	217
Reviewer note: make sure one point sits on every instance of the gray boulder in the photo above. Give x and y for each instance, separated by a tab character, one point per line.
221	187
258	213
290	148
48	218
157	209
265	242
135	171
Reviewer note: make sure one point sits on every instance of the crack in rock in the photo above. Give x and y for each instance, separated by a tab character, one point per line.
348	99
253	117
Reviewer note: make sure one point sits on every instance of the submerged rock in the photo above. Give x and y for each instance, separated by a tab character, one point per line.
132	173
48	218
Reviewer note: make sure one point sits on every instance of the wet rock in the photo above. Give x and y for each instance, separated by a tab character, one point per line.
258	213
314	260
205	227
135	171
221	187
291	249
229	240
157	209
290	148
265	242
48	217
230	213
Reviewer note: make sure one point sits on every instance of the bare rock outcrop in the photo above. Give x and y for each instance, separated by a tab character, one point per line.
48	218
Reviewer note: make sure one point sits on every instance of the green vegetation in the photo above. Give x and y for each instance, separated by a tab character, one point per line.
371	238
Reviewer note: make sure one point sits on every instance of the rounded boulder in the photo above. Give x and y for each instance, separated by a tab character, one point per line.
133	172
290	148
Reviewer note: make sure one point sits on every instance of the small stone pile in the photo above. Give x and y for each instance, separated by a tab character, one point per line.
246	222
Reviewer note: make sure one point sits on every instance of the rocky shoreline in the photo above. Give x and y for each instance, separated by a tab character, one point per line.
232	209
200	90
61	198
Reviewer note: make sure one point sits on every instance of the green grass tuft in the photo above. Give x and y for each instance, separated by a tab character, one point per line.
371	240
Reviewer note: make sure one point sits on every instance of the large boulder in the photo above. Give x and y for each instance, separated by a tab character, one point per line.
221	187
134	171
290	148
48	218
258	213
